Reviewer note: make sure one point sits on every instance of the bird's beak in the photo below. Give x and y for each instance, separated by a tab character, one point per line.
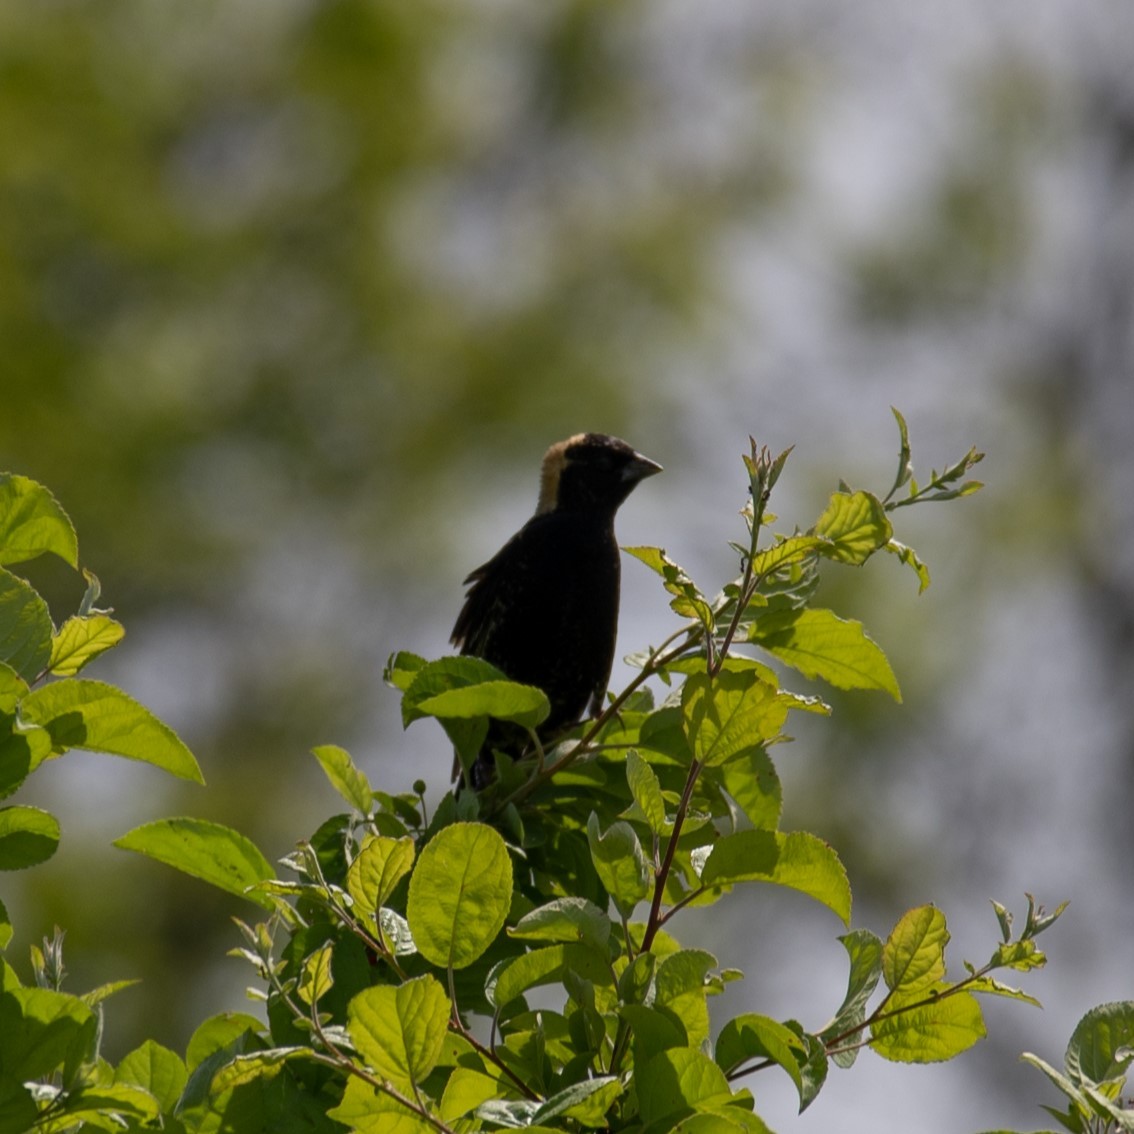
640	468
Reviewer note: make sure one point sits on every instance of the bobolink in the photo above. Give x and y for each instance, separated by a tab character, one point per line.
544	609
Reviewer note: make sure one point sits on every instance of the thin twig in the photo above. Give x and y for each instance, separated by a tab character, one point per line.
654	922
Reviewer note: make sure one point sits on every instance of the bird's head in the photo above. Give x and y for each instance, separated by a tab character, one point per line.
590	471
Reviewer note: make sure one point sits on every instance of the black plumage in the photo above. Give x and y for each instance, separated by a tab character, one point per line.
544	609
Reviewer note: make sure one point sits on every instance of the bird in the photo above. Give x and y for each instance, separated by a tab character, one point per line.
544	608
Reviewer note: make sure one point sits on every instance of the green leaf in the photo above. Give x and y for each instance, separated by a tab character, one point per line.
654	1031
681	987
44	1033
504	700
682	972
811	866
1102	1044
104	991
725	715
636	983
436	677
661	735
400	1031
1019	955
209	851
465	1090
865	952
855	525
366	1110
567	920
155	1069
13	688
619	862
255	1067
381	863
923	1026
677	1081
514	976
992	987
81	640
646	790
315	978
345	777
25	627
750	1036
1039	920
551	964
19	1112
905	464
120	1100
715	1121
688	601
1004	917
744	856
787	553
401	668
218	1034
459	894
797	860
1070	1088
90	595
910	558
585	1102
821	645
913	957
813	1072
33	522
28	836
21	752
751	779
100	718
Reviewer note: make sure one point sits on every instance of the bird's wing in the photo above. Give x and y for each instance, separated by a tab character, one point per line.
492	589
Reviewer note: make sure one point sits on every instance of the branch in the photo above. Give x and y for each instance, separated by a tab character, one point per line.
655	919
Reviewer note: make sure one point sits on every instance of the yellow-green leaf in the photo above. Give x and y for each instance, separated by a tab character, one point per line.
821	645
33	522
726	714
544	966
465	1090
28	836
90	714
505	700
797	860
459	894
399	1030
366	1110
914	954
919	1027
565	919
345	776
155	1069
911	559
80	640
380	865
856	526
620	862
209	851
646	790
25	627
787	552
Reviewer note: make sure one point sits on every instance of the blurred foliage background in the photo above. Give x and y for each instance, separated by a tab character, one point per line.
294	295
